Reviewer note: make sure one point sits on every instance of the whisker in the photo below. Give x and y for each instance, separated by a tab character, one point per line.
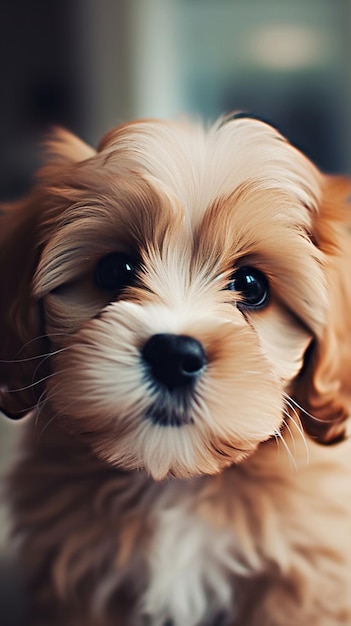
40	405
37	338
288	451
289	430
299	428
54	391
313	417
45	398
33	358
295	419
31	385
288	401
44	359
276	437
298	422
302	435
51	420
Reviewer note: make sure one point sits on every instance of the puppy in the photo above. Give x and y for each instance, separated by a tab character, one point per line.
175	325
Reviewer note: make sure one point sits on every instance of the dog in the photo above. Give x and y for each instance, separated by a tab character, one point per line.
175	332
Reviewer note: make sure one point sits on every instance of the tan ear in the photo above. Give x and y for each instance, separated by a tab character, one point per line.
324	387
23	345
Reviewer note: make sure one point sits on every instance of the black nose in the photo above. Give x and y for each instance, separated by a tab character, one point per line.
175	360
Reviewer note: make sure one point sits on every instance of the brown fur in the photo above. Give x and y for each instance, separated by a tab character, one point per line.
118	520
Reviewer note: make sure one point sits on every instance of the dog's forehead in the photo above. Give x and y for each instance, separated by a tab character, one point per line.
200	165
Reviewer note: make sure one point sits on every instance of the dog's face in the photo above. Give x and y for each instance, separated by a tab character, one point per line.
180	284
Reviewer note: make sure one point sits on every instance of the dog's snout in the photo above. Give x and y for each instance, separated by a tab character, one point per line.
175	360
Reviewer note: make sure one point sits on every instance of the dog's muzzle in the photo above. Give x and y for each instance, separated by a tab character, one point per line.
174	363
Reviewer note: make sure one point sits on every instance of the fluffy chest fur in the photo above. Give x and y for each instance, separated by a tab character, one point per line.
189	552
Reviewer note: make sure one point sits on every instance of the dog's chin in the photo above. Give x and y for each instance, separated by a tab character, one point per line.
172	452
182	442
178	452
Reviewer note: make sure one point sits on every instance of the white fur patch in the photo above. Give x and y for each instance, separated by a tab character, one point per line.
191	568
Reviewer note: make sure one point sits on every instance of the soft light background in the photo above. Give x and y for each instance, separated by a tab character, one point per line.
91	64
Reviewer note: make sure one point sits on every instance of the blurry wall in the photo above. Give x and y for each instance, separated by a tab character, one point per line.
57	58
288	62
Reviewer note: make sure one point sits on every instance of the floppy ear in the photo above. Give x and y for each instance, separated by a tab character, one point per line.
324	387
22	340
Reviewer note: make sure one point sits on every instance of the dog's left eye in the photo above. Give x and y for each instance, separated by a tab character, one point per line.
252	285
115	271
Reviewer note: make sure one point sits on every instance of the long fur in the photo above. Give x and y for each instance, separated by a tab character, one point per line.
229	510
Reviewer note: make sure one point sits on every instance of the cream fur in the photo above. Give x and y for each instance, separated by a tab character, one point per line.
239	515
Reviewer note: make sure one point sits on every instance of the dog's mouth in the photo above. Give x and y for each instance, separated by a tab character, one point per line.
173	408
162	415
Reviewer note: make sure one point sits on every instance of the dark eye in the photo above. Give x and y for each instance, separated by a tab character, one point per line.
252	285
115	271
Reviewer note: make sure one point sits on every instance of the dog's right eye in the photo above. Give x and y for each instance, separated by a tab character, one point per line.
115	271
252	285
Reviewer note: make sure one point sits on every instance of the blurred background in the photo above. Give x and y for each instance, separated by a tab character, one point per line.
91	64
